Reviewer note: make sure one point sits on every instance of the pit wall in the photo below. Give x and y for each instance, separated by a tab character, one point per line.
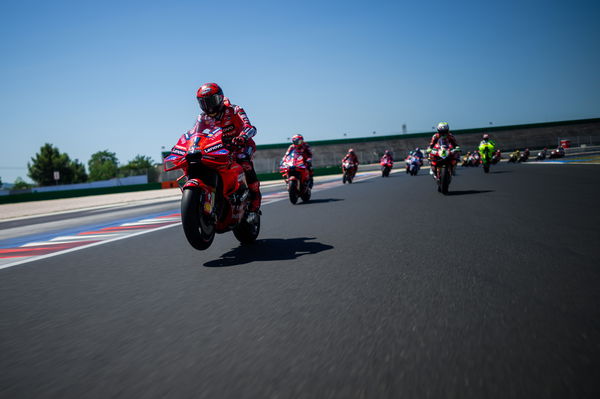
369	149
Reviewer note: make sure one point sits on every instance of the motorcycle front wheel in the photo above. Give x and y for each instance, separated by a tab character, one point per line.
445	180
198	228
293	191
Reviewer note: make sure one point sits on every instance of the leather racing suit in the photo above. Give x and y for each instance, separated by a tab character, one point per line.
235	123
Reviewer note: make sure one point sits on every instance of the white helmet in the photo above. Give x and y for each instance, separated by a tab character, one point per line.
443	127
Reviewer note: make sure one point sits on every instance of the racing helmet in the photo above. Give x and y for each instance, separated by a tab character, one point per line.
351	151
486	136
443	128
297	140
210	97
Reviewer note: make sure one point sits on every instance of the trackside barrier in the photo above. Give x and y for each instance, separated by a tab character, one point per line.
26	197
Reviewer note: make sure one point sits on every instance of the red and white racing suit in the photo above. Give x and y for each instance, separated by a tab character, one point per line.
386	159
352	158
235	123
451	141
449	136
304	150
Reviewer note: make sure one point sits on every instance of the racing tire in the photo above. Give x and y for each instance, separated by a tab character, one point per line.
306	195
246	233
293	192
445	177
198	228
486	168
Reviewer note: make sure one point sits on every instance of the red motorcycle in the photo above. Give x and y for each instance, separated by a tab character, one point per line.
294	171
443	160
215	193
558	153
386	166
349	169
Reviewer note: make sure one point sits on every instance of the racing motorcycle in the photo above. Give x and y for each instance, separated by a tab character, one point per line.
442	160
414	165
486	150
497	157
386	166
541	155
348	171
296	176
524	156
557	153
214	189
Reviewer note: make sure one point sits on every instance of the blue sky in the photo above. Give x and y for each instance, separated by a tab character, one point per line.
122	75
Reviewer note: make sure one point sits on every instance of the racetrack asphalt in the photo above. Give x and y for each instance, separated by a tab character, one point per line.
380	289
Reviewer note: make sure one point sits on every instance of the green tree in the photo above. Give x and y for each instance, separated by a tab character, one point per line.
21	184
79	174
42	167
103	165
140	165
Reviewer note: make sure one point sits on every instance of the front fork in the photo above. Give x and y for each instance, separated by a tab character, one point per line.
209	194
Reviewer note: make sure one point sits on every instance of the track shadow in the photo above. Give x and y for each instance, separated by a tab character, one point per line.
501	171
466	192
320	201
271	249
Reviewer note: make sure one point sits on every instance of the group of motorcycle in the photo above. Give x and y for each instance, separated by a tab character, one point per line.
216	196
478	158
518	156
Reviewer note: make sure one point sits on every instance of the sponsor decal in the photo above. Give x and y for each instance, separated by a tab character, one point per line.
214	148
178	151
228	128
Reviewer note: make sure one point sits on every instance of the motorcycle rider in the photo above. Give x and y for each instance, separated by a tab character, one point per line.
352	158
466	159
443	132
418	153
485	142
485	139
387	157
514	156
497	156
218	112
302	148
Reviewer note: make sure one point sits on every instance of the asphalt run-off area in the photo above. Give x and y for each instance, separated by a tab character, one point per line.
383	288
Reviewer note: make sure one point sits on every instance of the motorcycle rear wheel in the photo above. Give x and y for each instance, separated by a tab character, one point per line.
246	233
199	230
486	168
306	195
